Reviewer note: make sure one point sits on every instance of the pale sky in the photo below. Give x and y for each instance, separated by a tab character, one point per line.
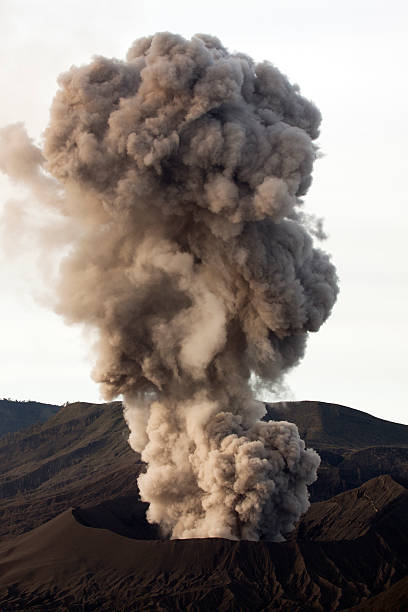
351	59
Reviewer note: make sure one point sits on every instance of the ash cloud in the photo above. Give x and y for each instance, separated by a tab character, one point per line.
180	173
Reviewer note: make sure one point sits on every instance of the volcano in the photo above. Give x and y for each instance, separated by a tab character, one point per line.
85	543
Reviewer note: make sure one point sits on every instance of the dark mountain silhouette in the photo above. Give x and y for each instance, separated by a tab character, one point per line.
68	486
16	415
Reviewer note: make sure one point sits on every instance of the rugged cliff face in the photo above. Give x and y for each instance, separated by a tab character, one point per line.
348	552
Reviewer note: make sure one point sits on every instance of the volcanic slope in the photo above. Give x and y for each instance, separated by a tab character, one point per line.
334	426
65	565
81	456
354	446
16	415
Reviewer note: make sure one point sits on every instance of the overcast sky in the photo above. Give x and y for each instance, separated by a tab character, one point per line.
350	58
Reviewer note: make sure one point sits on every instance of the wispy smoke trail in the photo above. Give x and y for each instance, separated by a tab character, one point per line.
181	170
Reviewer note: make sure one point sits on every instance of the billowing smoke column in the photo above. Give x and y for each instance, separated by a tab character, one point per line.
179	173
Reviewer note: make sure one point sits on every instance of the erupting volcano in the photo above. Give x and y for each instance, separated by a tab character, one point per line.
178	176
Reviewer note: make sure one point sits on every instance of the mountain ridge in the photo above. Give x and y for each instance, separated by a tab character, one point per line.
75	536
81	455
330	425
16	415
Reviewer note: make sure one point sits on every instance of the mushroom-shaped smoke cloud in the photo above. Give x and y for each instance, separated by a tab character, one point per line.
181	170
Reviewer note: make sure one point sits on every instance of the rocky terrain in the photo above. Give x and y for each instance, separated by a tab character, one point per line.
74	534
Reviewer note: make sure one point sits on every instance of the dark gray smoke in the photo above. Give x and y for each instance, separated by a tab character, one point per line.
181	170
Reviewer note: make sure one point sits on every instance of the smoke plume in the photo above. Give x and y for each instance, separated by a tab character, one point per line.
179	173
